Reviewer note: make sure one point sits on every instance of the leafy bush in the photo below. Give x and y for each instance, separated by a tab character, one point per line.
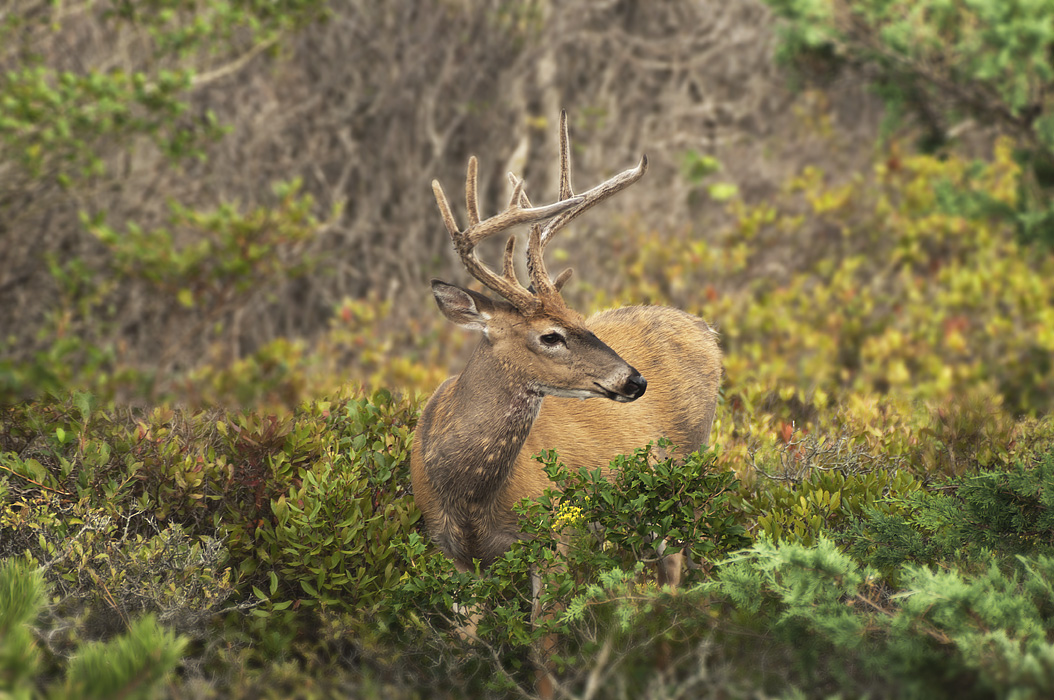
991	514
941	633
649	494
330	537
590	540
70	129
194	515
830	482
952	66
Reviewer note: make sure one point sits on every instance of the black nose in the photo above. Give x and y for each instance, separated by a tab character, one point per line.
635	386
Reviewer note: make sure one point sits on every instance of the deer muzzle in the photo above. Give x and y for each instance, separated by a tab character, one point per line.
631	389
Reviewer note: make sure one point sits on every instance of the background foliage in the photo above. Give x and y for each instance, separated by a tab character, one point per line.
216	227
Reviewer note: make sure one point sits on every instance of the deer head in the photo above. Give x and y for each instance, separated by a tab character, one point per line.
537	339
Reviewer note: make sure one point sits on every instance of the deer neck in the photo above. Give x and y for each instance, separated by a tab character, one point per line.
490	410
473	433
488	413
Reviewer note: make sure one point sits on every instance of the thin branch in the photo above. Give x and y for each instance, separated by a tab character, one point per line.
235	65
35	483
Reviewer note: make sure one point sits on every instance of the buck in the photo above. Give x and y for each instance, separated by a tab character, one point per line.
654	369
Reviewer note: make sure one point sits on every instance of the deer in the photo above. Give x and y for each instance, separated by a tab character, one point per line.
649	372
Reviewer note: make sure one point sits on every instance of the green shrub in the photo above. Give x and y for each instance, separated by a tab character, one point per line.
940	633
596	582
131	665
815	487
990	515
70	130
329	538
197	516
953	68
686	502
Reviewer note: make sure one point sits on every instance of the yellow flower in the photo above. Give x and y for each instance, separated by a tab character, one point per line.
567	515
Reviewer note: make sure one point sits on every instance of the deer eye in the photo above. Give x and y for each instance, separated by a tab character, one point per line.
552	339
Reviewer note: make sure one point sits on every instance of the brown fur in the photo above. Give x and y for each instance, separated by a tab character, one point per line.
471	462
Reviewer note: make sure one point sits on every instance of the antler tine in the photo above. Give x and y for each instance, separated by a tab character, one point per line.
508	265
526	202
444	210
562	278
565	158
471	201
515	214
535	264
518	193
595	196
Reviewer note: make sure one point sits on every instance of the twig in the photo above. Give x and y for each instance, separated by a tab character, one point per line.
35	483
234	66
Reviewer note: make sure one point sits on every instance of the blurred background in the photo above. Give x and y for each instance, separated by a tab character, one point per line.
230	203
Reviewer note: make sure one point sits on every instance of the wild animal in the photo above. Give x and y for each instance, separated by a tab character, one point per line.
656	371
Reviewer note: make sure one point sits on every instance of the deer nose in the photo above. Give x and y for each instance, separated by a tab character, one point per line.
635	386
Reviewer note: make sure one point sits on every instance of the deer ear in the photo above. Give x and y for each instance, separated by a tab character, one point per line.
464	307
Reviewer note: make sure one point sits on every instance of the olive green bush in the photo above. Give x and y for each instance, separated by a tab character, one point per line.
356	488
75	125
986	515
939	633
197	517
953	68
832	482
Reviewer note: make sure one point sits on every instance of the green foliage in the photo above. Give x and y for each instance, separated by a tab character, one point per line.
356	486
990	514
941	632
824	503
233	256
593	543
196	516
53	121
69	130
21	598
950	65
233	253
638	496
59	123
131	665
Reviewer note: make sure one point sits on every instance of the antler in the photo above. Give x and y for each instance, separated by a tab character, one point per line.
515	213
540	237
520	211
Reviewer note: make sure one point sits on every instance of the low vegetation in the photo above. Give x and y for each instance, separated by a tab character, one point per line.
874	518
874	515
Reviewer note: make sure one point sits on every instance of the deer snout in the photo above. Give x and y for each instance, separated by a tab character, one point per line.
629	389
635	386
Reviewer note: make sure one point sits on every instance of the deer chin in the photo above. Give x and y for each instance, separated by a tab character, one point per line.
599	392
563	393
